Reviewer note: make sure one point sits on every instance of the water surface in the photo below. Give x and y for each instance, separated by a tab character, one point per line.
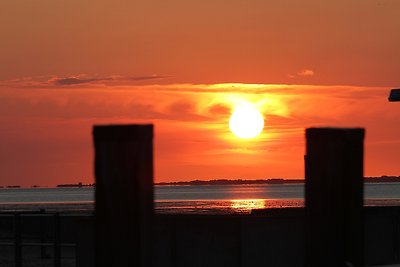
190	199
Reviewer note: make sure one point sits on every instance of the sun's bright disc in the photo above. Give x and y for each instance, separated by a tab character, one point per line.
246	122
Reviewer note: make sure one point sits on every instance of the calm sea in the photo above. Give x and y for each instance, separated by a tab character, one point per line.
188	199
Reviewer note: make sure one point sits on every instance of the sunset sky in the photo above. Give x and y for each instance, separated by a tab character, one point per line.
184	66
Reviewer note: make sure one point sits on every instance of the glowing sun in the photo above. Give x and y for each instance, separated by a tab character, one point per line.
246	122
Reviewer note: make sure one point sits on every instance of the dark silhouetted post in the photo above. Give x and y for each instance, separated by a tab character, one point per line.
394	95
334	197
124	195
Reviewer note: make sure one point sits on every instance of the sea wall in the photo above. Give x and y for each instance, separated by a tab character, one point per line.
229	241
265	238
270	238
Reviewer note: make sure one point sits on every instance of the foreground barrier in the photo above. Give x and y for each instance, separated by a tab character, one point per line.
124	198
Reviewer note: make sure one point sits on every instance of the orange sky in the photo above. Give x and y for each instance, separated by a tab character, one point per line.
66	65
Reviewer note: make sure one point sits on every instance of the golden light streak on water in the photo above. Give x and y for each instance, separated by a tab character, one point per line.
247	204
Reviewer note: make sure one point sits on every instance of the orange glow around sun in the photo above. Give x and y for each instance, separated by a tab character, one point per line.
193	138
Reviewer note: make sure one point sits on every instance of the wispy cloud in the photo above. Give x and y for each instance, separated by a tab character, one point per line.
78	80
302	73
250	91
306	72
111	80
75	80
150	77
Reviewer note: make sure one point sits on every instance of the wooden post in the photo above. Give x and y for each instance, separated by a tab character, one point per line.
124	195
334	197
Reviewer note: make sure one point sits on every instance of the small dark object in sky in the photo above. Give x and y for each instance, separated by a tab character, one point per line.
394	95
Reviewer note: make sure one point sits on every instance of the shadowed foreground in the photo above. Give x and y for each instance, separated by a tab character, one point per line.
274	237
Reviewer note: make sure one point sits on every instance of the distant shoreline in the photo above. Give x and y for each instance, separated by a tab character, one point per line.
235	182
381	179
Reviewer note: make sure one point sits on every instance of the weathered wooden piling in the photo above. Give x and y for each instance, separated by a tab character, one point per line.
124	195
334	197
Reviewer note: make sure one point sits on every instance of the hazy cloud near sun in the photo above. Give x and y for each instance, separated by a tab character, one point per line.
190	119
286	108
198	93
190	102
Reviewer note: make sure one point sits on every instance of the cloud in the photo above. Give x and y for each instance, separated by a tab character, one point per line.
302	73
144	78
306	72
219	109
252	92
111	80
77	80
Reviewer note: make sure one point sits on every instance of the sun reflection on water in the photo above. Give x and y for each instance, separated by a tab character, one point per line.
246	205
